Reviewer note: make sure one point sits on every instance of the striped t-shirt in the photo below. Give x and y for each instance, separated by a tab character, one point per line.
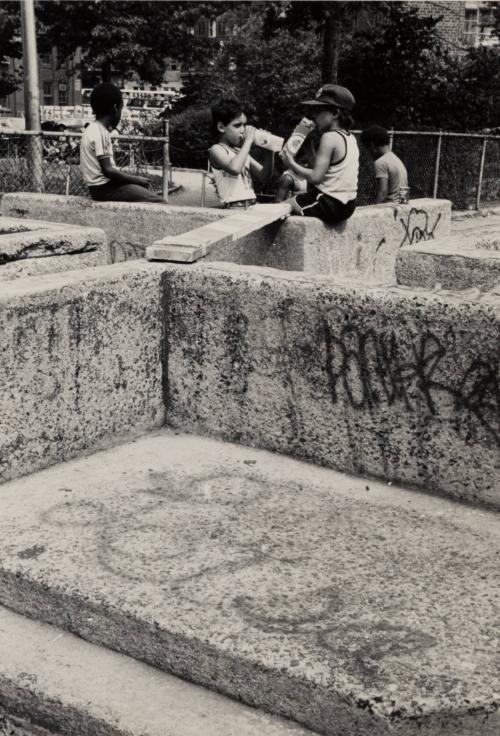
96	141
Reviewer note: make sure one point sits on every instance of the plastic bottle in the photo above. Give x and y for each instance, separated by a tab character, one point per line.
298	136
267	140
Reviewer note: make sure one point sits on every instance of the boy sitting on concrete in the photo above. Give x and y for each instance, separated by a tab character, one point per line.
106	183
390	171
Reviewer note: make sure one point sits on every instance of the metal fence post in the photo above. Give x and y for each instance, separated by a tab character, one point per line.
166	159
391	138
480	180
35	160
436	165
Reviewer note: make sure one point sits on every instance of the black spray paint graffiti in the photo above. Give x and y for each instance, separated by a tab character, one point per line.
417	226
371	368
123	251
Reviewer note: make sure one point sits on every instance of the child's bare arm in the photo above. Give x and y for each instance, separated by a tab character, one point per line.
329	147
263	172
115	174
220	158
383	189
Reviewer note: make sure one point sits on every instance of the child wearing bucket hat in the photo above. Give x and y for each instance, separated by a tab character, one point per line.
333	179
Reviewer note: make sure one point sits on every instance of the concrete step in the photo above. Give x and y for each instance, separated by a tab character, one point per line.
468	258
451	263
57	680
352	607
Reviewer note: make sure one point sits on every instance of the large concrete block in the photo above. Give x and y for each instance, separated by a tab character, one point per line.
21	239
392	383
366	246
54	264
444	266
130	227
80	362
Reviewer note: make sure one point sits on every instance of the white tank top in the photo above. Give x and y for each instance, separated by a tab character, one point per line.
233	187
341	179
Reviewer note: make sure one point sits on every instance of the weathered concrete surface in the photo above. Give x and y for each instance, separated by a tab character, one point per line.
469	257
130	227
200	242
21	239
355	608
61	681
54	264
393	383
364	247
81	362
448	266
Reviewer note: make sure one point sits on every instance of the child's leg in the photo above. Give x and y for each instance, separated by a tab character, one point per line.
125	193
285	186
316	204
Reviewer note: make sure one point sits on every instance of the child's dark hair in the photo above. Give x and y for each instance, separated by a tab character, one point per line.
345	119
376	135
104	98
224	110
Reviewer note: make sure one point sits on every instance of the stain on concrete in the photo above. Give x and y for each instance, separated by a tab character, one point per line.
31	553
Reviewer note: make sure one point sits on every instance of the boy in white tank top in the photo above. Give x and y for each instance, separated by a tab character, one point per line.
232	166
333	179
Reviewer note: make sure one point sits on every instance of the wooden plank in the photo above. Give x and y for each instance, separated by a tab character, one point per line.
193	245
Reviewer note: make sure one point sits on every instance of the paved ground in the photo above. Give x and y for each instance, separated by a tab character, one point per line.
354	607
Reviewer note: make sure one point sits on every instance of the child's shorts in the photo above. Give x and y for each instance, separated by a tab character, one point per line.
318	204
299	184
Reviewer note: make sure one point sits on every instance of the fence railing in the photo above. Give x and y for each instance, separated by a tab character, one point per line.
462	167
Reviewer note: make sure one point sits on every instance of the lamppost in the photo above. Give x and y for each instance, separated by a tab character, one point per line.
31	92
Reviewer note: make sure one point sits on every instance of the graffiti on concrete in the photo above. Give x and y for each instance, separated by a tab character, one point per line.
417	226
370	368
123	251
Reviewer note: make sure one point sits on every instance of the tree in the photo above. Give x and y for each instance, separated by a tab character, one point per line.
126	36
10	45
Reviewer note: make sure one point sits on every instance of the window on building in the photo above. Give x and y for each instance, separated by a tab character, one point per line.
48	97
206	28
479	23
63	93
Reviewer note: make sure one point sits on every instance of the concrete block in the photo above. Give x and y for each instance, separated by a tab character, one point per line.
80	362
54	264
130	227
366	246
354	608
392	383
58	680
447	265
20	239
196	244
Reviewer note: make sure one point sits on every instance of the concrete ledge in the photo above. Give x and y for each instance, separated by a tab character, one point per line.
365	247
352	607
60	681
130	227
21	239
392	383
80	362
448	266
54	264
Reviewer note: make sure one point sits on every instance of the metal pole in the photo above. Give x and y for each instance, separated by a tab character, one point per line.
436	166
481	169
203	187
166	159
31	95
391	138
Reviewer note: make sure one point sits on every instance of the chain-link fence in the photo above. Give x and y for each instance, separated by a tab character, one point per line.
50	162
464	168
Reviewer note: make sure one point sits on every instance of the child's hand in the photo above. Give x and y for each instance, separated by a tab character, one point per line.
287	159
250	133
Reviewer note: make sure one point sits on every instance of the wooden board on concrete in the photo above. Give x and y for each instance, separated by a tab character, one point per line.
189	247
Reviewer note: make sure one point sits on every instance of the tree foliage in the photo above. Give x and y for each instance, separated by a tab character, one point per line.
10	44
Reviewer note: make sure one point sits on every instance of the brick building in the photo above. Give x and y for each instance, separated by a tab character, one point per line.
462	24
